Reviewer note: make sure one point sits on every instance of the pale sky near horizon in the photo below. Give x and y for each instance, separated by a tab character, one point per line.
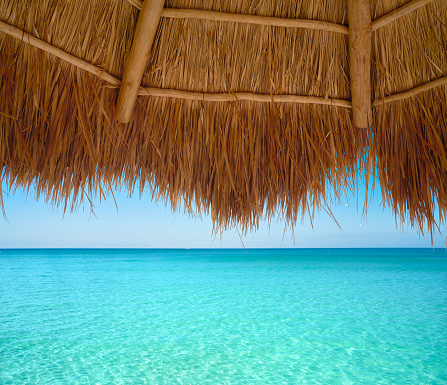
142	223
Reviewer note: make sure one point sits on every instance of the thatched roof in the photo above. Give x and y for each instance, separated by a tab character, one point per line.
246	107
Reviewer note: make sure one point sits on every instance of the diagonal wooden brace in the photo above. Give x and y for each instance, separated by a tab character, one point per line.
359	16
137	60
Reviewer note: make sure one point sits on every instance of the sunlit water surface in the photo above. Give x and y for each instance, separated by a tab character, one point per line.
223	316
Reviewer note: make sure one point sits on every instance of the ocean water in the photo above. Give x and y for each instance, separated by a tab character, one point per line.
223	316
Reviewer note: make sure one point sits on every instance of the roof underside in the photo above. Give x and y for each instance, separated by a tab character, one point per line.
221	124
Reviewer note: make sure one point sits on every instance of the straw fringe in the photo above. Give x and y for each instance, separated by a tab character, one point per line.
412	158
410	139
239	160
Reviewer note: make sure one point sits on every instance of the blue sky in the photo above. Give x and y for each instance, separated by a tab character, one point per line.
144	223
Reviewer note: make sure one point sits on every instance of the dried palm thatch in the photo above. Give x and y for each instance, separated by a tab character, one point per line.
245	108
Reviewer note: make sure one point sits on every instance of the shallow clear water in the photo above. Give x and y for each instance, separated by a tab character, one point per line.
223	316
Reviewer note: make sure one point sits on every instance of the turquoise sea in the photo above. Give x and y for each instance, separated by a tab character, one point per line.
320	316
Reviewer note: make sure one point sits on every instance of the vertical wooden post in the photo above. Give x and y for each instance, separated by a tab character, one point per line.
359	16
137	60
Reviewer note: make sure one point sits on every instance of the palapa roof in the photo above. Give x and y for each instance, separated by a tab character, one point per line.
246	107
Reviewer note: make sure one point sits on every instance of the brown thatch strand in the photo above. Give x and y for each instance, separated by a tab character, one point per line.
148	21
396	14
248	19
227	130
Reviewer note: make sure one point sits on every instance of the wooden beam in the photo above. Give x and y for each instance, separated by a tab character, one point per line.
359	16
137	60
399	12
200	14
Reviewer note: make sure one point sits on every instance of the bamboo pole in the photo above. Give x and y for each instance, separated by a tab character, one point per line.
136	3
136	62
402	11
248	96
51	49
247	19
413	92
253	19
359	16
